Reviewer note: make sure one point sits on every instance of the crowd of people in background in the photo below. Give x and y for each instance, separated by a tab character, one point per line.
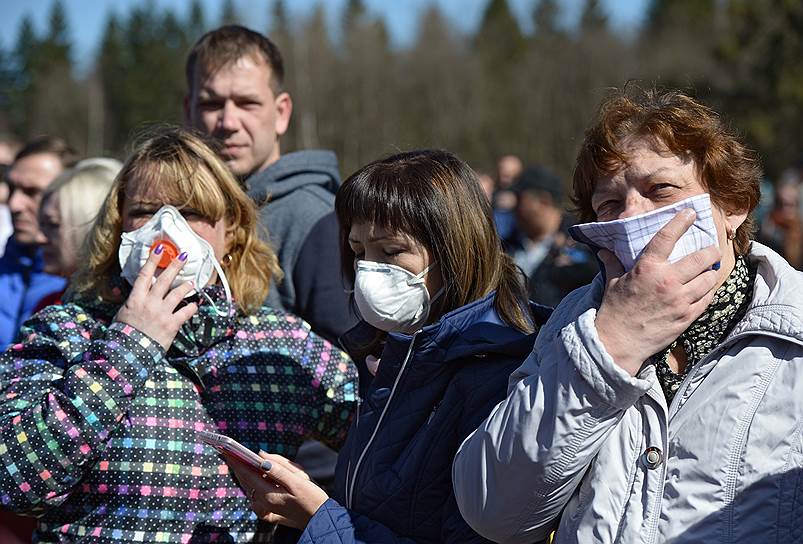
360	335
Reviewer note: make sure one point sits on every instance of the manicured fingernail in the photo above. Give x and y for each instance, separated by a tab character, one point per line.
715	266
183	256
158	249
688	212
262	452
266	465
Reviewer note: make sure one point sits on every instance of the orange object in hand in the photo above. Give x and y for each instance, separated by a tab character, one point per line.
169	252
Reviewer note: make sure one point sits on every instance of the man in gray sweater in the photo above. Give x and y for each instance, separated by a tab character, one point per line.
236	95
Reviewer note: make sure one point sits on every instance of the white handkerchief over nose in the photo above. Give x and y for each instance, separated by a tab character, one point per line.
627	238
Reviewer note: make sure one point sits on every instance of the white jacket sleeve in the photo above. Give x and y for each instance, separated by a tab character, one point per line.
516	472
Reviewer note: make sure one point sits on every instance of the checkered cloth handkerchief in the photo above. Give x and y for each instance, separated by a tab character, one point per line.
628	237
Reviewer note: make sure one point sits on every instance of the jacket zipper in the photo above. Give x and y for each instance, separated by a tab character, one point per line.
350	485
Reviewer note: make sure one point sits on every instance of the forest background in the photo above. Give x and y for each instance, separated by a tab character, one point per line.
494	91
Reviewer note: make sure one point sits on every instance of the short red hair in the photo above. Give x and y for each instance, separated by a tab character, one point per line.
730	171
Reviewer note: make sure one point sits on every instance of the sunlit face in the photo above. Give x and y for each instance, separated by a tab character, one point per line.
27	180
372	243
142	201
237	106
653	178
59	251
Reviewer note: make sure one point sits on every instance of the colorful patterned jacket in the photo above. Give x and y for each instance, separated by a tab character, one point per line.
98	424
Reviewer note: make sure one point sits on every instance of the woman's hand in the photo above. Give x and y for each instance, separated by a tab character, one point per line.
283	494
151	306
646	309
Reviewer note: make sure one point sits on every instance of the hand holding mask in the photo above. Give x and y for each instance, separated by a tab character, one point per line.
627	238
168	227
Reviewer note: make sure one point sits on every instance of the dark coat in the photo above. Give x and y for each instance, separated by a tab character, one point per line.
431	391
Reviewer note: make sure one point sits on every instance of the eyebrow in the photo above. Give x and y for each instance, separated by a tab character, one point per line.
206	94
375	239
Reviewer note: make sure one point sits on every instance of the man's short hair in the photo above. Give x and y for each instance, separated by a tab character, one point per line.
536	180
52	145
225	45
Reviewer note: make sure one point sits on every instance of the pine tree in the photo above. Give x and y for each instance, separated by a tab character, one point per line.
593	18
196	21
229	14
545	19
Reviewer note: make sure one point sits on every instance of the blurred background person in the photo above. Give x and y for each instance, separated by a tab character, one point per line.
8	148
23	281
68	210
782	229
508	168
555	264
6	226
488	185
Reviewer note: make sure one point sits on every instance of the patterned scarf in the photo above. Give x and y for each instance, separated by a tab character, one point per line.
728	307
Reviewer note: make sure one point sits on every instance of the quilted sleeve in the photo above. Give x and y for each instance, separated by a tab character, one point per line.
333	524
62	395
515	473
332	395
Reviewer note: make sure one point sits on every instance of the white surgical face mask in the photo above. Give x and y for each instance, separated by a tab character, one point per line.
392	298
168	227
627	238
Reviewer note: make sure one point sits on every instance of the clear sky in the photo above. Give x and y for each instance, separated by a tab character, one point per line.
86	18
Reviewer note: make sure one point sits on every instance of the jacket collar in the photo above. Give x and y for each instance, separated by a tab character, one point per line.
470	330
777	305
24	256
776	308
199	333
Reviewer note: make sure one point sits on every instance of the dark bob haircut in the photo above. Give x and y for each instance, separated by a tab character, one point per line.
435	198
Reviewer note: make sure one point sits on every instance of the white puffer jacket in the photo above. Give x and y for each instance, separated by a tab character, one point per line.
581	442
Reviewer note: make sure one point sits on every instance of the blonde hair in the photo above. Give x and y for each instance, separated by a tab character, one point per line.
188	174
81	191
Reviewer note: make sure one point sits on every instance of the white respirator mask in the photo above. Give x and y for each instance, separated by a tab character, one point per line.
392	298
169	228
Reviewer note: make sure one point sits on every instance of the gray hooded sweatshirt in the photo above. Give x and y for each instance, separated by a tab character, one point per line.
297	195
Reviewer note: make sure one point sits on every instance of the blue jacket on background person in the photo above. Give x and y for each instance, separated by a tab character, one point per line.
22	285
432	389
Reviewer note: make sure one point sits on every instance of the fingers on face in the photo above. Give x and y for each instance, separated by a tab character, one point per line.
166	278
691	266
662	244
145	275
703	286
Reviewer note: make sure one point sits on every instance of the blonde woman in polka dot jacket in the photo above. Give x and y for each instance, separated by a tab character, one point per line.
101	398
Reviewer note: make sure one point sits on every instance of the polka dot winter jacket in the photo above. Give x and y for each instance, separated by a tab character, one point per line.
98	424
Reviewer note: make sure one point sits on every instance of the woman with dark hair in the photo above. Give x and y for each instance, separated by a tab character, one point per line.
452	320
663	402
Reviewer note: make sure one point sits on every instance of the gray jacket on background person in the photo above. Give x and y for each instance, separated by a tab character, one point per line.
297	195
580	442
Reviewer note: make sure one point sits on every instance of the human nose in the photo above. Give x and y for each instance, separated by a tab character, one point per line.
17	202
635	204
229	120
